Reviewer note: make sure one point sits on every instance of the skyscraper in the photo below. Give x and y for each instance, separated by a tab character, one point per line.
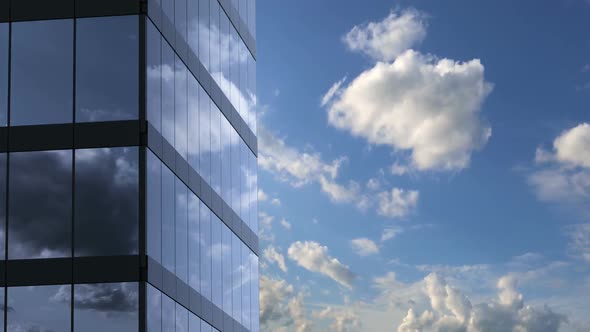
128	181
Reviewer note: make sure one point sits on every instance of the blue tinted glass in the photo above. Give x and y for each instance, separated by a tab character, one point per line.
224	48
205	136
154	309
193	25
204	33
227	269
244	212
225	142
2	204
44	180
216	254
106	307
236	259
214	39
181	318
181	231
168	66
252	91
254	291
205	327
55	301
107	52
243	58
194	323
42	69
254	194
252	17
180	16
168	10
168	229
168	317
235	170
215	148
234	44
3	74
205	251
154	76
194	241
194	89
106	202
180	110
246	286
154	206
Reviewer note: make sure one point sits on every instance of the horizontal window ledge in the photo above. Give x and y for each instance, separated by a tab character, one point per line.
70	136
31	10
78	270
191	299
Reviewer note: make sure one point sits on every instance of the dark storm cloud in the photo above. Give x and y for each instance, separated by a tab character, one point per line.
108	298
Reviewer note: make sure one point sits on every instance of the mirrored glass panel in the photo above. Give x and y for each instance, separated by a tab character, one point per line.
181	318
154	206
4	31
42	72
154	76
106	68
106	217
180	109
154	309
168	229
168	317
205	251
168	101
194	241
181	231
39	308
106	307
44	180
194	323
3	185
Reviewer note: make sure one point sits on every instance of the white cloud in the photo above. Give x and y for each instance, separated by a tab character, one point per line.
281	306
386	39
373	184
332	91
390	232
265	222
285	224
397	203
315	258
364	247
564	172
262	195
343	319
275	201
579	240
273	256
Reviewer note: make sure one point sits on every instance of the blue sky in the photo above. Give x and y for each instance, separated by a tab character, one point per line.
445	180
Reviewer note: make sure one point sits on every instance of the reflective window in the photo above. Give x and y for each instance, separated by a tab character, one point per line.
107	202
243	10
251	93
234	57
194	90
42	69
245	267
205	251
225	143
237	277
254	194
215	148
216	268
106	69
205	327
168	229
154	206
2	205
168	100
214	40
181	231
154	76
252	17
154	309
180	110
193	25
205	136
224	51
194	242
254	291
4	73
168	317
168	10
44	180
226	236
39	308
181	318
204	33
194	324
244	213
106	307
180	18
235	171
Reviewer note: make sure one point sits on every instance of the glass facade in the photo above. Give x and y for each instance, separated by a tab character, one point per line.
129	140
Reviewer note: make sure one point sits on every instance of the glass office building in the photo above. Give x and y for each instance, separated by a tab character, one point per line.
128	177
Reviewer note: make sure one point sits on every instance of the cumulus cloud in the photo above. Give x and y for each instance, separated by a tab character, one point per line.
422	105
388	38
563	175
397	203
273	256
450	310
390	232
285	224
265	223
343	319
364	246
262	196
281	306
579	240
275	201
315	258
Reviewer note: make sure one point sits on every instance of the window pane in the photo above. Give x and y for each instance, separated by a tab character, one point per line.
194	89
181	318
216	252
42	66
205	251
43	180
234	43
227	269
254	291
205	327
107	202
236	259
106	307
181	231
205	136
224	52
2	205
225	142
215	148
3	73
235	170
180	18
193	25
168	308
106	68
194	242
154	309
194	324
214	39
204	33
180	109
154	76
154	207
168	10
39	308
245	267
168	92
168	230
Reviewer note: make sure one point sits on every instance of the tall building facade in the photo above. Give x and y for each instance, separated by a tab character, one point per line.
128	177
